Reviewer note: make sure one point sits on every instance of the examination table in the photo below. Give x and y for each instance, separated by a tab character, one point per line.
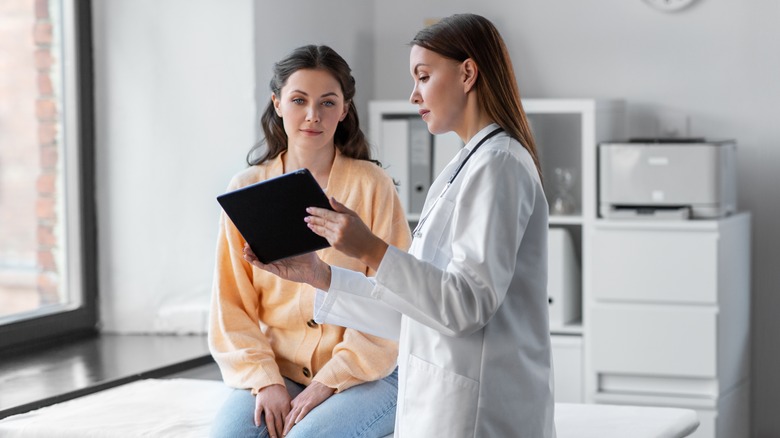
185	408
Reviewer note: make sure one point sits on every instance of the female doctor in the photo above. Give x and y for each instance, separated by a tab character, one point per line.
468	302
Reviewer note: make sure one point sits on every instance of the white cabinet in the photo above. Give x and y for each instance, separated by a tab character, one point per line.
667	314
567	368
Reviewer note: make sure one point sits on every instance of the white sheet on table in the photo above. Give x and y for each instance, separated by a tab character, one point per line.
146	408
604	421
186	407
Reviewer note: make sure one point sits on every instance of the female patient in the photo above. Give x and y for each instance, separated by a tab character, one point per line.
470	295
294	376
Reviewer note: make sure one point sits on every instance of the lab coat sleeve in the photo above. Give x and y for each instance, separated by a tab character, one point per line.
349	303
492	210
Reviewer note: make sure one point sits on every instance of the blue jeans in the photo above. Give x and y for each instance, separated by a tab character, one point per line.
366	410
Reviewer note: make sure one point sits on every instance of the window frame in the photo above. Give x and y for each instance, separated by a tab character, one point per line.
79	321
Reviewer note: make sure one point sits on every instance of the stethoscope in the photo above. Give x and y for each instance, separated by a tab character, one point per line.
418	229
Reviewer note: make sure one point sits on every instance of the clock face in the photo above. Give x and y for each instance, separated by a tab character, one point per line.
669	5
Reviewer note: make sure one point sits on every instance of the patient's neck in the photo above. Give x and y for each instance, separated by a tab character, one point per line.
318	161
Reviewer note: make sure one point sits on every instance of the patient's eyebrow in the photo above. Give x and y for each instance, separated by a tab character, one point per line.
328	94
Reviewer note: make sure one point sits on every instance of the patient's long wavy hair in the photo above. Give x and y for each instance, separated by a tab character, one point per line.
464	36
349	138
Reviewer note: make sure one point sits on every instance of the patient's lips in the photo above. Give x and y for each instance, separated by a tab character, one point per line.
311	132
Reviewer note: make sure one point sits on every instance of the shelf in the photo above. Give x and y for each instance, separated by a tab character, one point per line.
661	224
574	328
565	220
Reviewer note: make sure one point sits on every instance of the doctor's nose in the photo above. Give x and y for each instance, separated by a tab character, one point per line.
415	96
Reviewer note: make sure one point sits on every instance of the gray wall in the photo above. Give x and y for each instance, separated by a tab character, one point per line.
716	65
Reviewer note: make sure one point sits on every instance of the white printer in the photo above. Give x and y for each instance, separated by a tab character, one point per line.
667	178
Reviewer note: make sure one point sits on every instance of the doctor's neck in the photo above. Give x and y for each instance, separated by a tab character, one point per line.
475	118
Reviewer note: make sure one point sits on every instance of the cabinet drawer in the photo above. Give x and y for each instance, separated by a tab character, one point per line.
655	266
567	368
654	340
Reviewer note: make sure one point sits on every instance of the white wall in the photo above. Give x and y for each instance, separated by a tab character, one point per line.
175	116
717	63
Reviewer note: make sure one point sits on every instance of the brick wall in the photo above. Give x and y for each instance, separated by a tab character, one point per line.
47	115
30	244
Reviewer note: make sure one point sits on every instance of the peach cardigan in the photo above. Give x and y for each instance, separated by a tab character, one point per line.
261	327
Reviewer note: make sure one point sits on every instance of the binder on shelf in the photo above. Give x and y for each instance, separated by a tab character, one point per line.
420	159
394	154
563	280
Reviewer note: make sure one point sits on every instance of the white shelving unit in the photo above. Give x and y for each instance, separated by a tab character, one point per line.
567	132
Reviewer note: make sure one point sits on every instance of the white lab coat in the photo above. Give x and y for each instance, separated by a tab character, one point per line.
468	303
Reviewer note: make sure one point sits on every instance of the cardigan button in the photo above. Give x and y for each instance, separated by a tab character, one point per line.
306	372
312	323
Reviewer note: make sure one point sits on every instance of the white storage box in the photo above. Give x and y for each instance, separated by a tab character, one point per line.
563	279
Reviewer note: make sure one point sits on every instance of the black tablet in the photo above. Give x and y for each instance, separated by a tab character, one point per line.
269	215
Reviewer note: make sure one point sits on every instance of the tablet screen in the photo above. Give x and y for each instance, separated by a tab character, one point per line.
269	215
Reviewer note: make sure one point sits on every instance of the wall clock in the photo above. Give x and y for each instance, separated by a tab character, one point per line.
669	5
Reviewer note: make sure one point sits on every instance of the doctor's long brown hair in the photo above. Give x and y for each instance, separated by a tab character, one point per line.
349	139
464	36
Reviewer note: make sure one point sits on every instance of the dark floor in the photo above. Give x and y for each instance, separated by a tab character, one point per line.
209	371
33	379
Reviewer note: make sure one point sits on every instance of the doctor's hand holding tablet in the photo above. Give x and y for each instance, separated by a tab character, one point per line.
344	231
468	301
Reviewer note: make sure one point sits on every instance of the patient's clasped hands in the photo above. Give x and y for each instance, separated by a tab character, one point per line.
281	413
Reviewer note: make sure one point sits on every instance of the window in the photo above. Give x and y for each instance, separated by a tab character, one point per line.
47	225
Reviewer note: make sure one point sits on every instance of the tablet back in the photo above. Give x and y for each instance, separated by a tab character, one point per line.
269	215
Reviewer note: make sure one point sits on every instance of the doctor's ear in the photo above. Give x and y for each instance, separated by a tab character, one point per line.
469	74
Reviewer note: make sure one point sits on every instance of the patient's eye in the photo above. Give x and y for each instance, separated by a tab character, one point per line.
298	101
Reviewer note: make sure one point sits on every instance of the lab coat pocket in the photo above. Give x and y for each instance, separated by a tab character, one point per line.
435	229
438	402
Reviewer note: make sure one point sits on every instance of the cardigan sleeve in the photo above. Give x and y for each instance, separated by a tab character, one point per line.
236	342
361	357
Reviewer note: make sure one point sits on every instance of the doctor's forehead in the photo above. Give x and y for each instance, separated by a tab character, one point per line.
421	58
